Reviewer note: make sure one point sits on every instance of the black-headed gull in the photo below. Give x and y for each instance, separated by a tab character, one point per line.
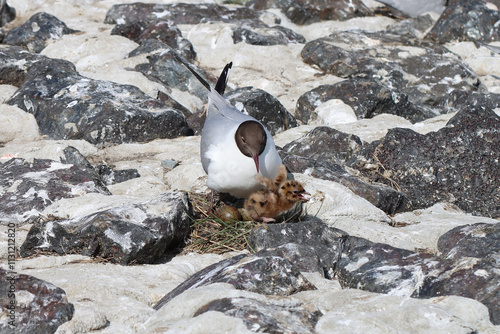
234	146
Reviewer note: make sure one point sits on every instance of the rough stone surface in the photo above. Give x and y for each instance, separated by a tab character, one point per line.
265	316
67	105
261	273
466	20
318	246
39	30
455	164
163	67
477	240
367	97
161	31
40	307
32	186
264	107
307	12
258	33
422	71
382	196
137	233
325	144
178	13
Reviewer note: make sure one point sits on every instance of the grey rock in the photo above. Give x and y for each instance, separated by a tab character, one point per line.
401	62
135	233
474	278
367	97
179	13
32	186
67	105
161	31
266	316
264	107
40	307
307	12
414	9
261	273
466	20
311	245
325	144
111	176
257	33
16	63
474	240
382	196
458	163
163	67
37	31
382	268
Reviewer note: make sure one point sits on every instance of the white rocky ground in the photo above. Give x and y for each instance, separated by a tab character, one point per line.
117	299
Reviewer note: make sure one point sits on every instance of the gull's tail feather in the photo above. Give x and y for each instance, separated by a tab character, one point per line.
220	86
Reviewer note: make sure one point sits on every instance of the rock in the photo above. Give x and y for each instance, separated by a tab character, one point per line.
414	27
177	13
325	144
264	107
380	195
30	187
307	12
397	61
111	176
160	31
413	9
258	33
15	63
311	245
67	105
164	67
473	240
264	274
469	277
40	307
455	164
134	233
37	32
267	317
7	13
383	269
367	97
465	20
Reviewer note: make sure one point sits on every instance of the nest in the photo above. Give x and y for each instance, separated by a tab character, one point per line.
211	234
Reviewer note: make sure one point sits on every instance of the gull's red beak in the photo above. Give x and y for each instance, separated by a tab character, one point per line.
256	160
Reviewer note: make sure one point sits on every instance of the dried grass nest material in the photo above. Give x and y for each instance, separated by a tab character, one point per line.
211	234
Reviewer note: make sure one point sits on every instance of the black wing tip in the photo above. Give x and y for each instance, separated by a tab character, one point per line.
221	84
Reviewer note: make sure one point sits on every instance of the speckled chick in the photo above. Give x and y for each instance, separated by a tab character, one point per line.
278	197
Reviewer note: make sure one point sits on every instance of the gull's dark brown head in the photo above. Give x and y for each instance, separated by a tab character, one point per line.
251	140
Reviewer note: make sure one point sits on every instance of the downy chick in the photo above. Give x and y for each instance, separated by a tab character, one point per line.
278	197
